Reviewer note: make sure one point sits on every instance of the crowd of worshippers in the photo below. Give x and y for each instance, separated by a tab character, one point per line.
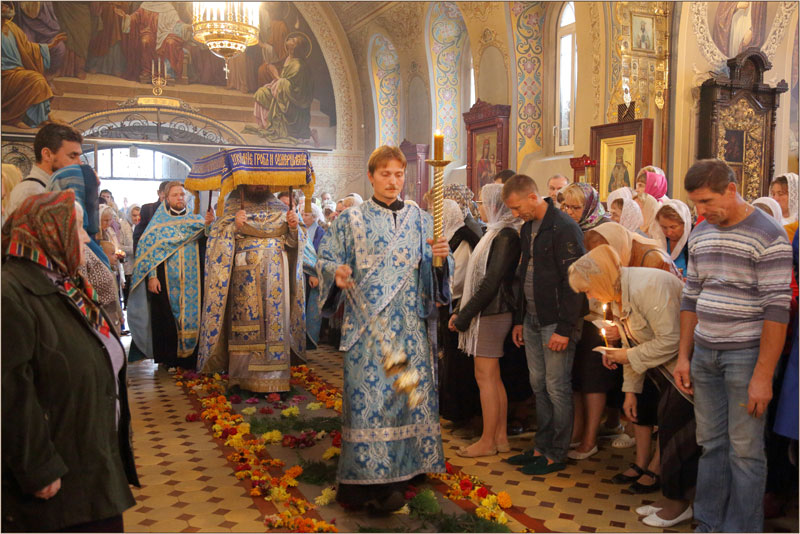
637	322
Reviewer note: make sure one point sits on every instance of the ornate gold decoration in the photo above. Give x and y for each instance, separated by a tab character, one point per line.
404	24
477	10
742	116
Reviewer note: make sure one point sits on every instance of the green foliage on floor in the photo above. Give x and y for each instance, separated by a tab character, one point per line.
287	425
317	473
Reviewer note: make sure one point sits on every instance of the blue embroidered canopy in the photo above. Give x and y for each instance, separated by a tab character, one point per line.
224	171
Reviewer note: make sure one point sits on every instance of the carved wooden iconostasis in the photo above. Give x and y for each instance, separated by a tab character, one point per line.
738	114
487	142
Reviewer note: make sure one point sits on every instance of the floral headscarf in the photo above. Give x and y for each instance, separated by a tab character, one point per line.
44	230
593	211
463	196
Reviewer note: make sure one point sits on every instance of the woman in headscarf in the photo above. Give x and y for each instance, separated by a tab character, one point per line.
591	382
463	196
650	227
458	391
645	304
784	190
484	316
626	212
653	181
636	251
132	218
82	180
582	203
769	206
66	424
675	220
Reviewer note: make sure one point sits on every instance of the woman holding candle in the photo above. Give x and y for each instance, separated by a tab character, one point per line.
591	381
646	307
484	316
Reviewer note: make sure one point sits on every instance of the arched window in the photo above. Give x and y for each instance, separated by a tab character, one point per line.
125	171
566	79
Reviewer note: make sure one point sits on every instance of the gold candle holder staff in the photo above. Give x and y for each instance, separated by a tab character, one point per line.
438	200
158	81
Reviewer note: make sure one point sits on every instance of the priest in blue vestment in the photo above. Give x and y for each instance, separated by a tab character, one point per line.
167	286
381	254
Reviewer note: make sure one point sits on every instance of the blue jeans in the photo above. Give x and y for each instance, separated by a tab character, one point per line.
732	472
551	381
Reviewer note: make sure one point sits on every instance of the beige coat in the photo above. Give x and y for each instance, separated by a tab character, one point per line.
649	322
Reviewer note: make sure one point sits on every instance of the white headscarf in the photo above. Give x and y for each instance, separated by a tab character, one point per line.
631	217
792	179
686	215
623	193
498	217
772	206
452	218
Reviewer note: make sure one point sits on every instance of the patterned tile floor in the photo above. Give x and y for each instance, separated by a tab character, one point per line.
187	484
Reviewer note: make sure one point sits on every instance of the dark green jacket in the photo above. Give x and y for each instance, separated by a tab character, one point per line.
58	410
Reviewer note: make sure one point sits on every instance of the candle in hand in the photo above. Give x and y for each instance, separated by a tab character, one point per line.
438	145
603	333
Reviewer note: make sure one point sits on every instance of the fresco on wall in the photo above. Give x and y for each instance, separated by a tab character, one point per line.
736	26
385	69
278	91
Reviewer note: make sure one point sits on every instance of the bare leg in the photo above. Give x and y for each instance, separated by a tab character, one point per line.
594	403
501	436
644	436
655	467
485	371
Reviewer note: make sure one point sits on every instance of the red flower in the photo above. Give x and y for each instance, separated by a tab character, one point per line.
466	485
243	467
448	467
266	410
411	492
336	436
482	492
274	397
235	399
191	417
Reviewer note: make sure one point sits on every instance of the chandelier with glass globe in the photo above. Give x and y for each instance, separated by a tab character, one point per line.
226	28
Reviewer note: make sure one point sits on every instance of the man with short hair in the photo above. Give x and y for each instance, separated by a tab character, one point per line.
554	184
283	196
734	313
548	319
377	253
167	286
146	213
55	146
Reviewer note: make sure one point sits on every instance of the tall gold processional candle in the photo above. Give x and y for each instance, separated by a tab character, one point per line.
438	163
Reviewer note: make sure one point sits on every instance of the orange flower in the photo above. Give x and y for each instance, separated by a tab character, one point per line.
504	499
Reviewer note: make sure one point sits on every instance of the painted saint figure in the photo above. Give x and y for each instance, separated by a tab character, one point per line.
26	93
619	174
254	307
283	106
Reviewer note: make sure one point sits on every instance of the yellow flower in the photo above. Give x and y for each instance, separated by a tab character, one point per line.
405	510
273	436
249	411
338	405
278	494
504	499
482	512
243	428
328	495
241	475
501	518
292	411
490	501
331	452
217	377
314	406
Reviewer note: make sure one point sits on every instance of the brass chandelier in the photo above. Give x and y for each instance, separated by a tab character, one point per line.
226	28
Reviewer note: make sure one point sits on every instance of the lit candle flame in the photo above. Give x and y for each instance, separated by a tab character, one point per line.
603	333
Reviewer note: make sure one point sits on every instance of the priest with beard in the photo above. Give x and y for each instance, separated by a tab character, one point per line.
254	307
166	288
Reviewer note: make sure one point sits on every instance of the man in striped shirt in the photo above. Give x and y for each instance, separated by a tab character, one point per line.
734	313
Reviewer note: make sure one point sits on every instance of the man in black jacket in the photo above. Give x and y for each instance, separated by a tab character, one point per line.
146	213
547	320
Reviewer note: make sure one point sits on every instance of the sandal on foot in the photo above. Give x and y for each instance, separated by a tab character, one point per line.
464	453
621	478
640	489
503	447
624	442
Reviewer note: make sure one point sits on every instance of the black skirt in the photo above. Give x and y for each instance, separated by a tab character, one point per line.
588	373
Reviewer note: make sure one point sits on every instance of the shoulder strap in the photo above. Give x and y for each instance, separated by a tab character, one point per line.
32	179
